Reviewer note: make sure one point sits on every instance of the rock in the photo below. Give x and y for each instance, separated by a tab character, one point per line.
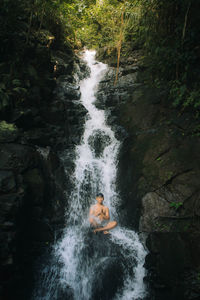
8	224
32	176
61	67
171	262
42	231
154	156
81	70
98	142
54	114
35	185
129	70
7	181
8	132
16	157
76	113
109	263
158	174
43	137
68	91
8	262
120	133
104	287
37	212
27	119
8	206
153	207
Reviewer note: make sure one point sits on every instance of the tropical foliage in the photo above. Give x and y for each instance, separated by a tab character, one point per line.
166	31
171	41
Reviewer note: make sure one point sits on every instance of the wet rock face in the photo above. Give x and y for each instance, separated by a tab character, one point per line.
112	97
32	176
111	94
31	205
153	208
105	275
98	142
159	158
110	265
158	178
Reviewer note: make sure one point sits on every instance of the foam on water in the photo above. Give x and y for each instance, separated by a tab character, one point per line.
69	268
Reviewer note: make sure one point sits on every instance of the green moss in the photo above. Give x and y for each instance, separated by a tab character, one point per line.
4	126
176	205
8	132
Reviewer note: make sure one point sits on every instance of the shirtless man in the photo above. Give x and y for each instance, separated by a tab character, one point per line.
99	216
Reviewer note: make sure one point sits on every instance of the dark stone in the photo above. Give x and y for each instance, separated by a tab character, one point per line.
68	91
62	67
120	133
54	114
98	142
28	119
42	232
158	178
8	132
81	70
8	205
32	176
7	181
172	260
109	279
110	265
37	212
35	185
16	157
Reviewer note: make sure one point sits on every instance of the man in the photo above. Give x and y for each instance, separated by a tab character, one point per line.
99	216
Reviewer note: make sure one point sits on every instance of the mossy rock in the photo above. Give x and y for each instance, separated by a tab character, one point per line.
8	132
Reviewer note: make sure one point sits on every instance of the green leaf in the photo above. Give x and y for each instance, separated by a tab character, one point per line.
16	82
19	90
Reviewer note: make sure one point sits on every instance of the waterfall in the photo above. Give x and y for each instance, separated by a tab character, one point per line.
82	265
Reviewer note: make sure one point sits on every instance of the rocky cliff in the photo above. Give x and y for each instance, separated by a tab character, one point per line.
33	137
158	177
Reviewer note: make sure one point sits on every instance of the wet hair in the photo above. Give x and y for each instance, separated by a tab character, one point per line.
100	195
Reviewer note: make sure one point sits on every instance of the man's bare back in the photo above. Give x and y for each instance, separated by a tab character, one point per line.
99	216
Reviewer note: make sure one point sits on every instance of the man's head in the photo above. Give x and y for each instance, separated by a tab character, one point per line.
100	198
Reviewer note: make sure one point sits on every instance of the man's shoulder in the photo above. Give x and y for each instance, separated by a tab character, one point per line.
105	207
93	206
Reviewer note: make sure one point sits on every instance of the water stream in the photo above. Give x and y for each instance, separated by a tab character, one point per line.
82	265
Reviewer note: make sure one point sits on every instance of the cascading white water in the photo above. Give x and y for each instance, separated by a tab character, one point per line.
75	267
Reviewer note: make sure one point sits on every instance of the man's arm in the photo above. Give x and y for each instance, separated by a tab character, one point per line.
91	213
106	214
